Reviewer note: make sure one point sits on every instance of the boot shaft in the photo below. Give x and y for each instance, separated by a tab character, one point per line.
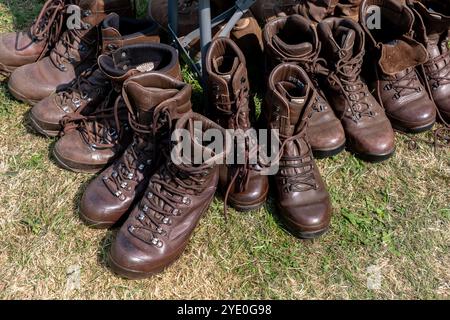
290	39
119	32
228	84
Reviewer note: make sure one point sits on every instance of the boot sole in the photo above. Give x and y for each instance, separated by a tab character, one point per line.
96	224
415	130
138	275
373	158
20	97
40	130
304	235
6	71
322	154
74	167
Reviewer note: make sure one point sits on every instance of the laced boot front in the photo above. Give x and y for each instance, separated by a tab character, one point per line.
436	17
93	140
369	132
154	102
244	187
302	199
92	86
75	52
20	48
178	195
294	40
393	57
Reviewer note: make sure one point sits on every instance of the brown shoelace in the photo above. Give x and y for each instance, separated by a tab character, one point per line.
49	23
170	188
352	87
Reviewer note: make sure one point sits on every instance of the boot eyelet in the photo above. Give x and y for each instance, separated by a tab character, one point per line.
141	217
396	96
387	87
87	13
112	47
186	201
131	229
141	167
150	195
167	221
176	212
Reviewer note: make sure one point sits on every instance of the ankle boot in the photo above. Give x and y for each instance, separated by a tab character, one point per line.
20	48
229	95
294	40
369	133
75	52
92	86
314	10
393	56
302	199
436	18
93	139
151	100
160	226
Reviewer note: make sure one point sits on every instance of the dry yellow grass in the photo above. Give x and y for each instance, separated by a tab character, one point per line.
392	217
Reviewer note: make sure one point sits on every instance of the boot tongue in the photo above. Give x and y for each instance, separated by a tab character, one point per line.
345	38
295	50
296	96
225	67
145	99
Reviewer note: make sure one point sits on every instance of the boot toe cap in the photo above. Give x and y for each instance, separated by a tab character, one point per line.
47	116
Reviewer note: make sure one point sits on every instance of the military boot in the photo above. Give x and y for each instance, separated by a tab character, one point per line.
369	132
178	195
152	99
92	140
92	86
75	52
393	56
229	95
20	48
436	18
302	199
314	10
294	40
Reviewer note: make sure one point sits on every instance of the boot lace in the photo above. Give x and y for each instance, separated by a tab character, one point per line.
352	87
81	90
434	75
301	178
96	128
169	189
409	82
49	23
71	41
137	158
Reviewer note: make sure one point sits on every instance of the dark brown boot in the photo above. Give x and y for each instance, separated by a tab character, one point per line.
436	18
95	138
314	10
20	48
152	99
294	40
75	52
393	56
92	86
159	228
229	95
303	201
369	132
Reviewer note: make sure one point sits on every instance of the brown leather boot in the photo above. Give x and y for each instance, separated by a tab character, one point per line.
75	52
159	228
95	138
229	94
369	132
436	18
294	40
303	201
393	56
20	48
152	99
314	10
92	86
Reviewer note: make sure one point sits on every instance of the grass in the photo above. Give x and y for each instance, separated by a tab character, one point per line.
391	223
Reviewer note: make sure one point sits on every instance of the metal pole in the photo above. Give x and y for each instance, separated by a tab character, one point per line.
173	16
205	29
